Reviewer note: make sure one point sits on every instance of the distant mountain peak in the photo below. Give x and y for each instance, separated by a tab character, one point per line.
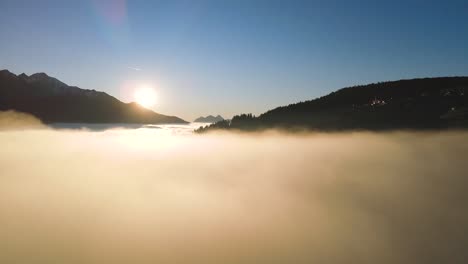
7	73
40	75
44	80
209	119
54	101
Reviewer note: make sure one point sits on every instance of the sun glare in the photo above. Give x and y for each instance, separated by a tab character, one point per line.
145	96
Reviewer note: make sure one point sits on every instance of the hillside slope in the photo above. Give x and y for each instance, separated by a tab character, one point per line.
430	103
53	101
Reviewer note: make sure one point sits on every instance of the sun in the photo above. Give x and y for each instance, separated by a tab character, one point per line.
145	96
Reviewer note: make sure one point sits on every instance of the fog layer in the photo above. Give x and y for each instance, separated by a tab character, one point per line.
135	196
12	120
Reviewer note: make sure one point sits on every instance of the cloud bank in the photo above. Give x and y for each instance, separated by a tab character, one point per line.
12	120
131	196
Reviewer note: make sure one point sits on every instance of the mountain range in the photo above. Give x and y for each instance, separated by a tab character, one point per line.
209	119
429	103
53	101
418	104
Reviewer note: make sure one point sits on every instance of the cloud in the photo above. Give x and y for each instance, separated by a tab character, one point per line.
12	120
136	196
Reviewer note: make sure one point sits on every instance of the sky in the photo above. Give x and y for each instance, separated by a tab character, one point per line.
228	57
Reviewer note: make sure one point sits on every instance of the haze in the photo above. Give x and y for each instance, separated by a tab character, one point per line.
136	196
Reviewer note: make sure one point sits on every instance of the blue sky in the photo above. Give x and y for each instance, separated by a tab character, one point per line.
227	57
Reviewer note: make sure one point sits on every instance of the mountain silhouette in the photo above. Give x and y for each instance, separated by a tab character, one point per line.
53	101
209	119
429	103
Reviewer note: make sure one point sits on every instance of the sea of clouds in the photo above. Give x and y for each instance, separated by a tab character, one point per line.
141	196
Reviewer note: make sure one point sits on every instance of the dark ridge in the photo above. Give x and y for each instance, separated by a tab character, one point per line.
428	103
53	101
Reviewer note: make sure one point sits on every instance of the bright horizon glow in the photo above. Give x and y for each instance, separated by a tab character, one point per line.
145	96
